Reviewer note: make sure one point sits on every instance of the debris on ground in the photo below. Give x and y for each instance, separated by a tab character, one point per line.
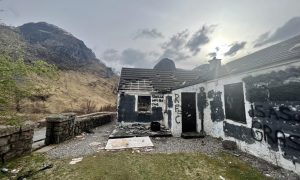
32	172
95	144
76	160
15	171
128	143
221	177
139	130
4	170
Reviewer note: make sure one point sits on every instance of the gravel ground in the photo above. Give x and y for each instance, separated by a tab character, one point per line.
84	144
87	144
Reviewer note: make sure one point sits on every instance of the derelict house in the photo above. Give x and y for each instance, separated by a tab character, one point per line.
253	101
145	94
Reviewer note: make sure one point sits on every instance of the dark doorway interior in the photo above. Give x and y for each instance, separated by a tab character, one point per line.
188	107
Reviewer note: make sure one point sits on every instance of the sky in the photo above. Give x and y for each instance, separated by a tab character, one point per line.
138	33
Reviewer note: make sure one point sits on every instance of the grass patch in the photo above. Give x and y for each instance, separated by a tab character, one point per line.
126	165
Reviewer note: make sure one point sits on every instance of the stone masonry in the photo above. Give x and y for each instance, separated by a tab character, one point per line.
62	127
15	141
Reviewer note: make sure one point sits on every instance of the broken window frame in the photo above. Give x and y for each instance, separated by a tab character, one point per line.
145	108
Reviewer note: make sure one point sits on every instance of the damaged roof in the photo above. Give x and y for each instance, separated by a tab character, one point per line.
162	78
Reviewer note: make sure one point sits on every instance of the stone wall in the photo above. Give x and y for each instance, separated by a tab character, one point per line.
15	141
63	127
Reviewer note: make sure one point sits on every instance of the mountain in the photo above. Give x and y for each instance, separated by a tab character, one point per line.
43	41
83	77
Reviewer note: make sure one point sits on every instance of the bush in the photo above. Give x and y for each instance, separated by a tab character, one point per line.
108	108
88	107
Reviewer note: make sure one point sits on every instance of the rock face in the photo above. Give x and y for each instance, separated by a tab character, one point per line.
43	41
165	65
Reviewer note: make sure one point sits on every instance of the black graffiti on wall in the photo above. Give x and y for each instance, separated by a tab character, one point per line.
275	110
177	108
127	113
216	106
169	101
275	86
156	100
202	104
279	126
242	133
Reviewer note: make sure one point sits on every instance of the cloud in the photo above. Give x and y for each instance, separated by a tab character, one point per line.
174	48
148	34
177	41
235	47
289	29
128	57
200	38
174	55
133	57
110	55
181	47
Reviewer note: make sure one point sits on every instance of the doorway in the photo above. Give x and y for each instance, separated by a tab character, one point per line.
188	107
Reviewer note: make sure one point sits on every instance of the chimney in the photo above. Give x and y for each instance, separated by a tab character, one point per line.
214	66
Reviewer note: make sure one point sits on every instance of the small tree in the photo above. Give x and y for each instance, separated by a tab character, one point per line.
18	81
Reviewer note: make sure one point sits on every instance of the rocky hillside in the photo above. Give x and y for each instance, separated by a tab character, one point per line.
83	77
43	41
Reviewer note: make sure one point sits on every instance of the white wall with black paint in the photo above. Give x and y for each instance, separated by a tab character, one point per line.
284	149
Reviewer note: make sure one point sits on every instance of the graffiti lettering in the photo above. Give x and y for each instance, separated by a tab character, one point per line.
176	119
155	104
176	98
275	110
156	99
268	111
177	109
261	132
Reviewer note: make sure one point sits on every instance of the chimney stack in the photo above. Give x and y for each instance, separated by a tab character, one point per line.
214	66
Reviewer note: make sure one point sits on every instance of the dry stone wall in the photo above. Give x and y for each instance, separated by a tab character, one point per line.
65	126
15	141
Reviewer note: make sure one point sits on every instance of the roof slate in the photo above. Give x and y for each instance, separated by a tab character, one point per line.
277	53
160	80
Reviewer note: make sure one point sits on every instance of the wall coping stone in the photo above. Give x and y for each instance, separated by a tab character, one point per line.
6	130
60	117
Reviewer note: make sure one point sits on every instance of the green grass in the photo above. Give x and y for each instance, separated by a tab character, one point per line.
125	165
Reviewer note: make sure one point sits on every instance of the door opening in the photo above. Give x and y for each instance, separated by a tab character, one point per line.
188	107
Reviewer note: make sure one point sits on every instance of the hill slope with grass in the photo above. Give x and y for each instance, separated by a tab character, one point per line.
84	83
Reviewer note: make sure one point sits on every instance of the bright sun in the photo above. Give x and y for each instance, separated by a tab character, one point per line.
220	46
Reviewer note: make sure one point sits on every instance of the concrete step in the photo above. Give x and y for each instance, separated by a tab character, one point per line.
190	135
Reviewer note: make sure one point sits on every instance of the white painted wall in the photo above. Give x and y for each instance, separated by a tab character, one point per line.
215	129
